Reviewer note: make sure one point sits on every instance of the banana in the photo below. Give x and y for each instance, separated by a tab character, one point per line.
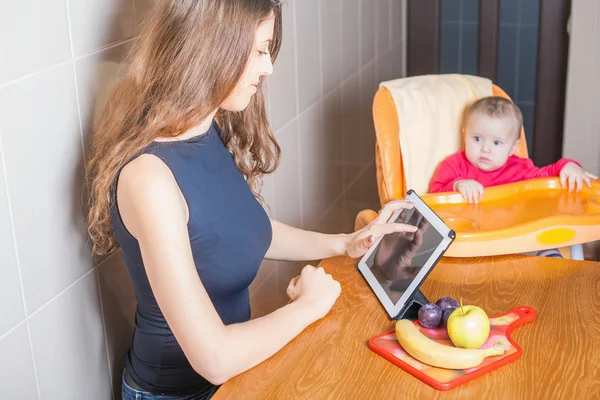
436	354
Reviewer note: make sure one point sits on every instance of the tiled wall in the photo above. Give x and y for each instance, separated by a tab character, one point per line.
517	56
65	323
582	130
459	36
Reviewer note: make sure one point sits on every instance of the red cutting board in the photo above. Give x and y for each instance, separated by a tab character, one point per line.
501	326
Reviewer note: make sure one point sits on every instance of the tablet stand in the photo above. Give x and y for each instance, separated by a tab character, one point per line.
411	309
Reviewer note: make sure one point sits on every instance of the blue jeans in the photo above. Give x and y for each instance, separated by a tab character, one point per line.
130	393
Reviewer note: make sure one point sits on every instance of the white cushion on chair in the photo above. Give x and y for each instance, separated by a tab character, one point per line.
430	112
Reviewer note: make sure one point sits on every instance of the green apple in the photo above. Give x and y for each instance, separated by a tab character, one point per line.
468	327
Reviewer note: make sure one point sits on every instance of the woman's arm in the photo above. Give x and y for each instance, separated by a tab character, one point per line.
294	244
155	212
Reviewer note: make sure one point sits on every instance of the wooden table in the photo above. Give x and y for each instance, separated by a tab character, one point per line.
561	352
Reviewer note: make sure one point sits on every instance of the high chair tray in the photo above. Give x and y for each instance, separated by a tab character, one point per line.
519	217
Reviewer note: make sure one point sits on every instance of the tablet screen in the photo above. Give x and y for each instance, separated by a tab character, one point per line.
399	257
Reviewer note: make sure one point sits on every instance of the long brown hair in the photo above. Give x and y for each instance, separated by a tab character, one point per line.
187	59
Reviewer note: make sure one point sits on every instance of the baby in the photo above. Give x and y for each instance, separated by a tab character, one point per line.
492	135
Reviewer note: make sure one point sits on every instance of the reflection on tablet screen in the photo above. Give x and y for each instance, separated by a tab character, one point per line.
400	256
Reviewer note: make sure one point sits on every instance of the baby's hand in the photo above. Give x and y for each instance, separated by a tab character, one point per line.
470	189
574	176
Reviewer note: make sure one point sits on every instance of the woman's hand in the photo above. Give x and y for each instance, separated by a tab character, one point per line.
315	289
573	176
360	241
394	257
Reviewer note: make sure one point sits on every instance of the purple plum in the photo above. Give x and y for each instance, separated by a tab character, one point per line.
445	315
430	316
447	302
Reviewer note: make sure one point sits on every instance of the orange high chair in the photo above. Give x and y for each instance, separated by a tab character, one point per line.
515	218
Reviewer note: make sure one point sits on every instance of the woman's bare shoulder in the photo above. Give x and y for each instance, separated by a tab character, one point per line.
147	191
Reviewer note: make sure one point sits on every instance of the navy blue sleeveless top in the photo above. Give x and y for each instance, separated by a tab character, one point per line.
229	234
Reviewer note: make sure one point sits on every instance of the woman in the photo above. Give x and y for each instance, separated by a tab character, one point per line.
178	157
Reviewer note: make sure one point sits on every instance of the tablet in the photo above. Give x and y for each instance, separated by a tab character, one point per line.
398	263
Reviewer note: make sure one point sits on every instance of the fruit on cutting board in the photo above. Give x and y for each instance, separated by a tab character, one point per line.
430	315
468	327
445	315
436	354
447	302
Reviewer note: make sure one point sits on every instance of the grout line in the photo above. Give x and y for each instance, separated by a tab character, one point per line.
347	189
298	149
104	48
108	257
517	25
287	124
341	32
18	262
390	25
320	36
324	215
450	22
61	64
360	38
110	370
59	293
32	74
517	58
83	155
460	37
266	278
12	224
14	328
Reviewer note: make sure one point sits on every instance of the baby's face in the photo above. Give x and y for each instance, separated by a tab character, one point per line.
489	141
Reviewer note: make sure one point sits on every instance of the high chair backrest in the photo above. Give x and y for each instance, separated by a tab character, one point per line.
430	109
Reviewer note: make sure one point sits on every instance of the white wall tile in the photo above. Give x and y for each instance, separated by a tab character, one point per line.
398	22
368	86
350	173
399	61
351	125
17	375
271	293
11	299
267	267
118	307
287	177
35	36
363	190
367	31
43	159
331	39
282	84
69	346
336	52
382	24
96	78
384	68
338	219
332	132
268	193
313	164
309	59
99	23
350	37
